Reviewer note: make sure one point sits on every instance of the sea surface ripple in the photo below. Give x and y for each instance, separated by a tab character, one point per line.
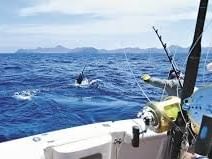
38	91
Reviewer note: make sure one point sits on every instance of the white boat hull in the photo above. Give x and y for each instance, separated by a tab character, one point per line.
107	140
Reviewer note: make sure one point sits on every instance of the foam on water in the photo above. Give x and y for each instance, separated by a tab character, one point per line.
209	67
25	94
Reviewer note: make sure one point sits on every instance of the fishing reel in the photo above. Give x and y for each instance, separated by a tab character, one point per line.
149	118
159	116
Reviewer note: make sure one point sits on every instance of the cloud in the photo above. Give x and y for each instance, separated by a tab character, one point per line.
111	8
118	16
120	20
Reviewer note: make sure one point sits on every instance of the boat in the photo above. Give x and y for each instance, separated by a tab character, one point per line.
144	136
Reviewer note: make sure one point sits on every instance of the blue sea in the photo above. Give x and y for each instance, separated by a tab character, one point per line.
38	91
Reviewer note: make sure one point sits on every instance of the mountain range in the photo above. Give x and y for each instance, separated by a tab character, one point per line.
92	50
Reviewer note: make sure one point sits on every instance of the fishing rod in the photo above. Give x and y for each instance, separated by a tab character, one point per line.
169	56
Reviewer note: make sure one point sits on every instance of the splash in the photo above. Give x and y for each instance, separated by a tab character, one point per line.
25	95
96	83
209	67
89	83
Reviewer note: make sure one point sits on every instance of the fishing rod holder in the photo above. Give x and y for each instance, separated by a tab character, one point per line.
135	139
136	133
148	120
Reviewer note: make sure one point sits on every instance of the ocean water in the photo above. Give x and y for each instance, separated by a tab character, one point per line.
38	91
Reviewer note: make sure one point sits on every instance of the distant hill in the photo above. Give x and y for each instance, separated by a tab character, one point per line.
57	49
89	50
92	50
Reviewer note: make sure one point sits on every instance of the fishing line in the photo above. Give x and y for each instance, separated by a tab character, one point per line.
204	66
163	92
207	26
191	49
184	66
149	60
164	88
151	101
186	123
145	95
174	62
149	57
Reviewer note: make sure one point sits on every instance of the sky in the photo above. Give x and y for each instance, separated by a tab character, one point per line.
103	24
